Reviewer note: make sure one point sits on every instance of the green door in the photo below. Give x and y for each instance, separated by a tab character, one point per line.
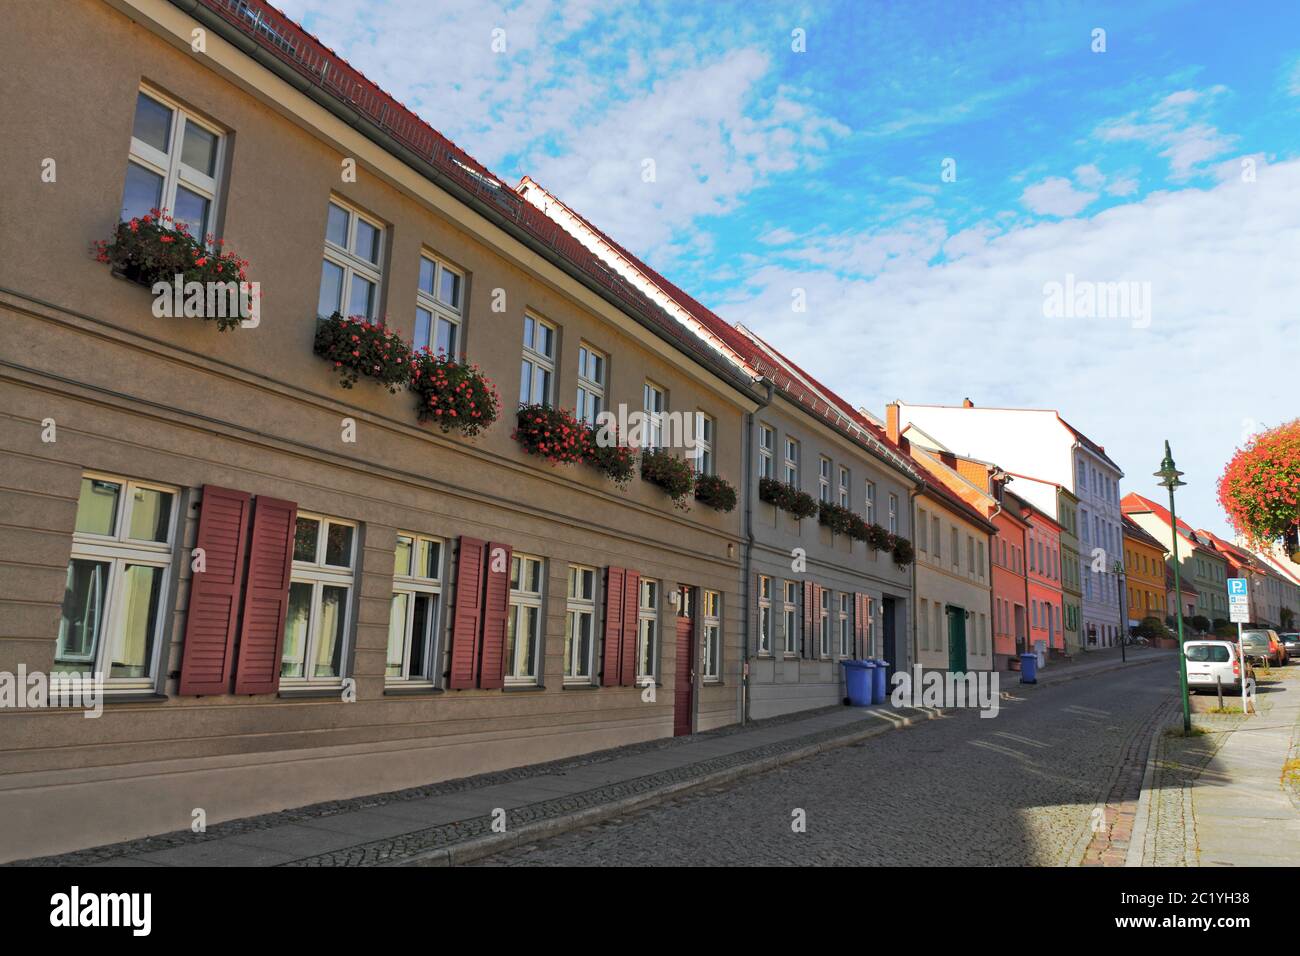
956	639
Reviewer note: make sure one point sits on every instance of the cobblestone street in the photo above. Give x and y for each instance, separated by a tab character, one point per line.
1018	789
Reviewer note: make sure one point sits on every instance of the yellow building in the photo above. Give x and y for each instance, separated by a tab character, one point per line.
1144	567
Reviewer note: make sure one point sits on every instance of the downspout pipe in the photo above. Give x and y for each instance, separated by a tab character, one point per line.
747	561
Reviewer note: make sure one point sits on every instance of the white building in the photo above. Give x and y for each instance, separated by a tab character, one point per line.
1039	442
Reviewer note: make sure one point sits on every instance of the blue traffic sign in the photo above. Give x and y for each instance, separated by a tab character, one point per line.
1236	585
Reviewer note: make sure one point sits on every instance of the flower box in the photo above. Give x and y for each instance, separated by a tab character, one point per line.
360	348
674	475
453	395
836	517
787	497
553	434
608	455
903	553
716	492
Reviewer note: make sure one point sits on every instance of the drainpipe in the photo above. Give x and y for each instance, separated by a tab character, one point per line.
747	562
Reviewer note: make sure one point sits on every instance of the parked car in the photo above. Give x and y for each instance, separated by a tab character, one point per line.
1291	641
1262	646
1214	664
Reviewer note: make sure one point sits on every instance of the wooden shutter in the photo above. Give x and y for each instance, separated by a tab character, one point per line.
212	620
631	604
266	596
810	611
860	613
467	617
496	611
611	671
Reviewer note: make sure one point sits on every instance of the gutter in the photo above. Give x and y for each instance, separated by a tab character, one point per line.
751	492
251	48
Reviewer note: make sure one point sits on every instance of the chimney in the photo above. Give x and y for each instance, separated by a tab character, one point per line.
891	421
967	403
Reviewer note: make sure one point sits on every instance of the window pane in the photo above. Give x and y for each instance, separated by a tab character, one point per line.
402	556
199	149
396	635
97	506
141	595
423	323
143	192
333	618
296	623
305	537
525	382
446	340
426	612
542	386
545	339
430	559
153	123
338	545
362	298
336	226
529	326
449	289
192	210
366	241
151	515
331	289
427	271
82	617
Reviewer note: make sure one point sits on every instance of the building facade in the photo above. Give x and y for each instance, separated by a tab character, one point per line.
1200	567
1146	592
294	591
1043	567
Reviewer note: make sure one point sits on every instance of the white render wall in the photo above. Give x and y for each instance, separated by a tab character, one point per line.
1034	442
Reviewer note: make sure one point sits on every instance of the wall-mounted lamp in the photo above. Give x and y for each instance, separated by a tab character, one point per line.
731	550
675	599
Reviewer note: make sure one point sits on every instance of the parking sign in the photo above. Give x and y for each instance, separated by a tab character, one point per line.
1236	586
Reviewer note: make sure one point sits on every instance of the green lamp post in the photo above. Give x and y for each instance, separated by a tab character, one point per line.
1169	476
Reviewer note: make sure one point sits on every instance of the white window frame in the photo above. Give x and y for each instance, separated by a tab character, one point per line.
168	165
824	479
520	600
576	608
647	616
654	399
431	302
320	575
792	461
846	630
869	502
119	550
414	586
893	514
352	264
764	615
844	487
591	387
824	624
792	619
705	430
711	636
766	447
536	360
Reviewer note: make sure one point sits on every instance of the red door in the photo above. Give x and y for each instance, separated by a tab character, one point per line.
684	686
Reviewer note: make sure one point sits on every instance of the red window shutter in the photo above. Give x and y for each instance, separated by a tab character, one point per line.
631	604
212	620
266	596
496	611
860	623
809	617
611	671
468	616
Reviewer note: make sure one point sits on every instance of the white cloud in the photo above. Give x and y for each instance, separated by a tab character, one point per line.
1055	196
1225	296
1186	140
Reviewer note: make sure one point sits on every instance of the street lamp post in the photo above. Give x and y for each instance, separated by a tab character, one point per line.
1122	579
1169	476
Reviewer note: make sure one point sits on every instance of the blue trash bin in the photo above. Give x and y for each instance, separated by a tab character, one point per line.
1029	668
879	682
857	682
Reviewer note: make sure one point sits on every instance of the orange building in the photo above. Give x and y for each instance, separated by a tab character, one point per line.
1144	567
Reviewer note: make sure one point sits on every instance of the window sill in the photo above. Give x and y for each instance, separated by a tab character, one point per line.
110	696
583	685
522	688
310	692
417	690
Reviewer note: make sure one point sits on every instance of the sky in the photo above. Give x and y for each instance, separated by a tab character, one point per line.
919	200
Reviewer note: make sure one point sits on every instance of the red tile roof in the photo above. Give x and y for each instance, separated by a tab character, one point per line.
1135	531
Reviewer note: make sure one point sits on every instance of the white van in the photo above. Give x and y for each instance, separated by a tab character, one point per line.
1213	664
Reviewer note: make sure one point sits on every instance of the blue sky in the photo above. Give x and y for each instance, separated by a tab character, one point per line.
818	173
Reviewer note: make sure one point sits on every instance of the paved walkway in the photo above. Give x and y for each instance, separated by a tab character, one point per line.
1230	797
461	820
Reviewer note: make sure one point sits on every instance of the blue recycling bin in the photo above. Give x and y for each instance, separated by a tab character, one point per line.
1029	668
857	682
879	678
